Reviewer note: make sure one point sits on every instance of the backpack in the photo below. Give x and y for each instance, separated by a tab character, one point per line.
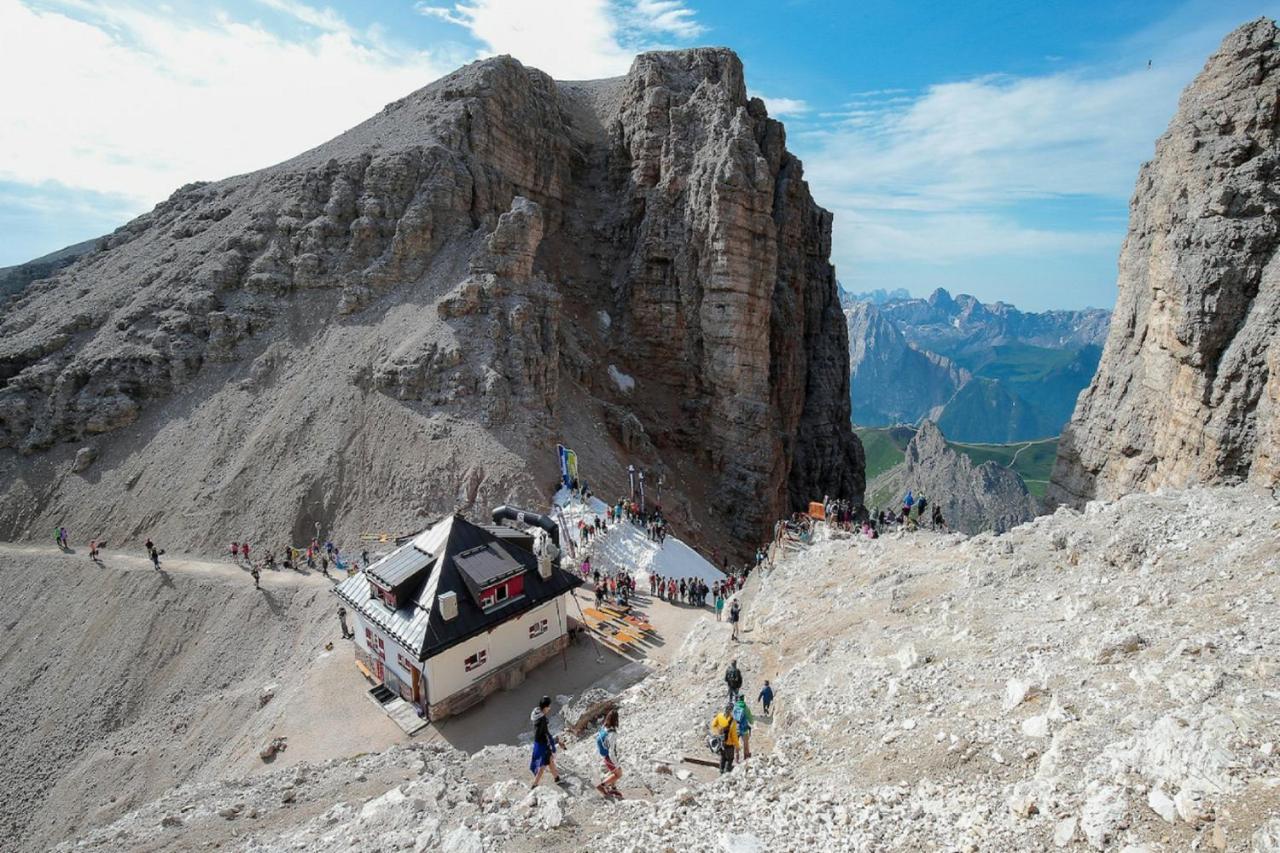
715	743
740	717
602	745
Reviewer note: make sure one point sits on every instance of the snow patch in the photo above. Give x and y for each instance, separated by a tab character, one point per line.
624	382
605	321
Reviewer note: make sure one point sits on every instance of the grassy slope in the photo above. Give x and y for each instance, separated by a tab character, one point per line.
1033	460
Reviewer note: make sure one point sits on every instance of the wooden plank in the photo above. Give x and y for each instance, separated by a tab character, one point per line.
705	762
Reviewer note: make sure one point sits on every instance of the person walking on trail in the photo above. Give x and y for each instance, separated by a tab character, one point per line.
544	745
719	605
257	576
938	523
235	552
324	564
921	503
607	746
347	633
743	719
725	731
244	549
733	680
766	696
735	613
93	550
60	537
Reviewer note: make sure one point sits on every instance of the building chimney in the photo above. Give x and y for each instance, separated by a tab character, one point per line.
448	605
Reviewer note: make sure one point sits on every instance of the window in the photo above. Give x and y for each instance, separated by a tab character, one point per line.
374	642
537	629
405	663
494	596
477	660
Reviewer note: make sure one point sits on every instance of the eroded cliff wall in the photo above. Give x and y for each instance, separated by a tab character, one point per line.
1188	390
408	318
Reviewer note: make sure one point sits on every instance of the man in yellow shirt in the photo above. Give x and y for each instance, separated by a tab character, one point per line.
724	728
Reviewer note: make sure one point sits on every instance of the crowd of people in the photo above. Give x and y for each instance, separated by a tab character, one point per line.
314	556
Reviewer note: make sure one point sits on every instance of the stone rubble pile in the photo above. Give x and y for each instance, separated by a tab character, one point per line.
1106	679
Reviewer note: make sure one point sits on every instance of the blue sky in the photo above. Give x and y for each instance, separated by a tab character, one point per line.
986	147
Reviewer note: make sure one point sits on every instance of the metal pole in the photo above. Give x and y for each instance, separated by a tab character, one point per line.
642	491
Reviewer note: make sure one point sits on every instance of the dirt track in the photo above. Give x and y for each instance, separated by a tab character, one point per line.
119	681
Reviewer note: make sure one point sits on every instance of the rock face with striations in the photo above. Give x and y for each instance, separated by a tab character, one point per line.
973	497
1188	390
407	318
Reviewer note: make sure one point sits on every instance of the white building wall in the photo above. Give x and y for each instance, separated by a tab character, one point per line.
446	672
391	648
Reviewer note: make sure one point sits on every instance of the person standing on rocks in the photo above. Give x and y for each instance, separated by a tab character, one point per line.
733	679
766	696
726	730
743	719
735	613
347	633
257	575
607	746
719	604
544	745
93	550
235	552
244	549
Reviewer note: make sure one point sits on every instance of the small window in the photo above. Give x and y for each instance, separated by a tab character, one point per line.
500	593
405	663
374	642
488	601
477	660
537	629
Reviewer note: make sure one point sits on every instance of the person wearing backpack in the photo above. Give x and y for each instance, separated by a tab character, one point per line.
607	746
766	696
544	745
725	730
743	720
735	613
733	679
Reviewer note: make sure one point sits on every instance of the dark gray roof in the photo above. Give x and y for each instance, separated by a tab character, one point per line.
399	566
418	623
485	564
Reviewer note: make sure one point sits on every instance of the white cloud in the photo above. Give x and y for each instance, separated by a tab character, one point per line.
570	39
781	107
136	103
939	173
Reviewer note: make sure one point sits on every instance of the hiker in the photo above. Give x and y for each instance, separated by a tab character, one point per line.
244	549
544	745
256	576
154	554
235	552
347	633
324	564
607	746
93	550
938	523
733	678
725	730
766	696
364	558
719	605
742	717
921	503
60	536
735	612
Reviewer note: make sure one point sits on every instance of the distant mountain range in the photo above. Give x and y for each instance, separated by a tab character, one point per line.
982	372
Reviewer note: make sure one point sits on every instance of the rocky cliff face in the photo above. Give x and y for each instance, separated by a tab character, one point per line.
892	382
973	497
1188	390
408	317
